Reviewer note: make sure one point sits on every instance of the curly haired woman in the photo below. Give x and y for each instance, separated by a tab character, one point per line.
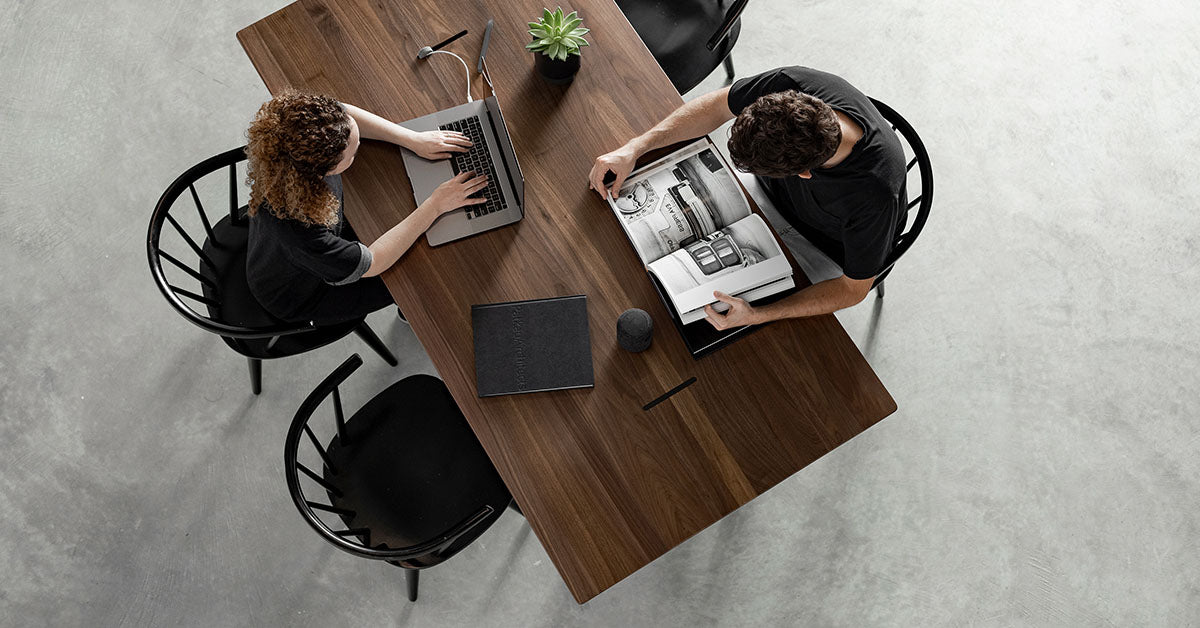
303	261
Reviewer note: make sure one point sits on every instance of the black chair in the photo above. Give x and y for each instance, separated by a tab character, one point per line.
405	474
920	158
688	38
220	270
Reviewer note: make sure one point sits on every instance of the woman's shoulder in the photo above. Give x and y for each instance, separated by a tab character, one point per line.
284	224
265	214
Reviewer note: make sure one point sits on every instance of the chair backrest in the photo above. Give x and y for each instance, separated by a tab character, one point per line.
924	198
354	541
688	38
731	18
196	262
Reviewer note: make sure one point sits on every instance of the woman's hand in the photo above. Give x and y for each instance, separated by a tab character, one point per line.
436	145
457	193
395	241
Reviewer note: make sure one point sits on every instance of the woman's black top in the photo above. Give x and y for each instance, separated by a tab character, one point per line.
291	265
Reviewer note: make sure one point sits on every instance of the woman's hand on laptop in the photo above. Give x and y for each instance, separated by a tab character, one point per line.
436	145
450	195
457	193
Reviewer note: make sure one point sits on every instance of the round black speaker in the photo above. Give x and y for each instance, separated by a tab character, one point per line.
635	330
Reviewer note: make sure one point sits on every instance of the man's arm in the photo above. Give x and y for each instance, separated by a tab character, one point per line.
428	144
695	118
825	297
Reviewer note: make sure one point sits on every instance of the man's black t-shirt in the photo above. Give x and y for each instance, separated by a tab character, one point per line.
291	265
857	203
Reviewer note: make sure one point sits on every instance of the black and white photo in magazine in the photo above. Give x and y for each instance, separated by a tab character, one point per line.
737	246
679	200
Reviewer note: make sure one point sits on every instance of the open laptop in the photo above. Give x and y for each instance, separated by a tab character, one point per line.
492	154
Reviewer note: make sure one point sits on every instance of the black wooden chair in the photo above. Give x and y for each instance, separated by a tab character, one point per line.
924	188
219	268
409	482
688	38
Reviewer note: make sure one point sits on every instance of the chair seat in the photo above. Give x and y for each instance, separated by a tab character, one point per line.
411	468
239	307
677	31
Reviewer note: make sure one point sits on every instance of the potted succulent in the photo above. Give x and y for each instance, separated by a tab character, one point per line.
557	39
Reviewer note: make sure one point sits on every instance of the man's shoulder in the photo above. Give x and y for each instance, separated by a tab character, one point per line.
803	73
866	192
818	83
789	77
813	81
868	184
886	162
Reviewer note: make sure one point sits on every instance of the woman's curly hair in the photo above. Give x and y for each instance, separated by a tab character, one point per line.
294	140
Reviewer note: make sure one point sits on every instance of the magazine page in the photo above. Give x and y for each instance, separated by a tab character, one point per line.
761	292
677	200
735	260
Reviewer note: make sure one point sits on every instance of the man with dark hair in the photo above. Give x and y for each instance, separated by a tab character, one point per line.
827	158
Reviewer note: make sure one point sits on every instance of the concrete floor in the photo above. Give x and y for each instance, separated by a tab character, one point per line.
1040	341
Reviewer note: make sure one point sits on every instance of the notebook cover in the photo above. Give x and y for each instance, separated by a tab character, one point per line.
532	346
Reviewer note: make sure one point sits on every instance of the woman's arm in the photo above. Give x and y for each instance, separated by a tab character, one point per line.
428	144
448	196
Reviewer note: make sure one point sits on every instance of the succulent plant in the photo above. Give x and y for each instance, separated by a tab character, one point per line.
556	35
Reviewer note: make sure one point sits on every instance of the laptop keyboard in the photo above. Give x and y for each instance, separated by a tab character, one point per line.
476	160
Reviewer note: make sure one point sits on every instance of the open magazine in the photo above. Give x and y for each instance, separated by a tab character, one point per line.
691	226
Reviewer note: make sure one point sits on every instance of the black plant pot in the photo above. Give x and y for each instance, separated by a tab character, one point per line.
556	72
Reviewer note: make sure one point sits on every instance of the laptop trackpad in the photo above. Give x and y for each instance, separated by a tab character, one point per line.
426	175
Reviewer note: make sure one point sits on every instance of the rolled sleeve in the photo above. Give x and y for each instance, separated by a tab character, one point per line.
332	259
364	262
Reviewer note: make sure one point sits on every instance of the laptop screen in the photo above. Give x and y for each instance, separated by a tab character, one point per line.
515	178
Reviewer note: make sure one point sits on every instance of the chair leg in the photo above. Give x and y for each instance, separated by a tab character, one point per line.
368	336
411	578
879	289
255	375
729	68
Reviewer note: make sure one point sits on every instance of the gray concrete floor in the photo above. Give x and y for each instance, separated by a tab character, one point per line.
1040	342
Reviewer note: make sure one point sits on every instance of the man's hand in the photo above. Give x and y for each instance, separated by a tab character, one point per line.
740	313
436	145
620	162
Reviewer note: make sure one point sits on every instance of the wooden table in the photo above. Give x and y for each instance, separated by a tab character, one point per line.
606	486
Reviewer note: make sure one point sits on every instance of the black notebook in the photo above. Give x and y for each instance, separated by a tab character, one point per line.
532	346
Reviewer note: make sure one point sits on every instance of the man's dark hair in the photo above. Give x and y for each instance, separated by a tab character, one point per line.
784	134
